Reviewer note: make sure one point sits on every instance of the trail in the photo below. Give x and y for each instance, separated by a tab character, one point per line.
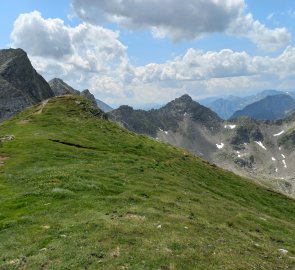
42	106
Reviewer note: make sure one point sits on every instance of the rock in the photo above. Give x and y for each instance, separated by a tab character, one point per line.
59	87
283	251
20	85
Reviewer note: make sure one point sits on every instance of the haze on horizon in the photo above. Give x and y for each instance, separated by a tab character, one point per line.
150	51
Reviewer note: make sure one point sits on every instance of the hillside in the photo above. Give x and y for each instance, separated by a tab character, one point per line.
270	108
78	192
20	84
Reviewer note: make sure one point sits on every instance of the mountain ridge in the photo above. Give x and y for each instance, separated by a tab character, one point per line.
20	84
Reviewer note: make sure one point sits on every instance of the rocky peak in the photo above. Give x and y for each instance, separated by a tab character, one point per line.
16	68
20	84
86	93
59	87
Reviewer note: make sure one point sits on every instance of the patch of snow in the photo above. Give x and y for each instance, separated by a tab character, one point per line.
283	251
285	164
160	129
230	126
166	132
280	148
273	159
238	152
220	146
261	145
283	156
185	114
278	134
277	170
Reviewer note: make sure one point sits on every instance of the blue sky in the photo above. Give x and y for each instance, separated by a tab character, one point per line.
139	53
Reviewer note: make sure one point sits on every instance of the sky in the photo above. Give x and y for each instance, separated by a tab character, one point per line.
149	51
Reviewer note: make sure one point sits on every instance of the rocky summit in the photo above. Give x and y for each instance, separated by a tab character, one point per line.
20	84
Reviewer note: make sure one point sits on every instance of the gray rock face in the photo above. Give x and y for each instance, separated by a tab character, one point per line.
20	84
59	87
105	107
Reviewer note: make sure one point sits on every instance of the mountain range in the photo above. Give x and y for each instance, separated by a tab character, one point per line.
77	191
261	150
228	106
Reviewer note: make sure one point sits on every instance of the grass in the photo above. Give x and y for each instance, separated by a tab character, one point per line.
78	192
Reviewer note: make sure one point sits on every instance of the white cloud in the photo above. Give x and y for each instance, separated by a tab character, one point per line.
188	19
77	54
96	59
265	38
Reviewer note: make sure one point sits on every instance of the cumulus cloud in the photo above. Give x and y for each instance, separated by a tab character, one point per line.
78	54
188	19
95	58
52	33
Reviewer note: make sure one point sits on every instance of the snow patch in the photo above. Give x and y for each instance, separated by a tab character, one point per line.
238	152
230	126
166	132
261	145
283	156
277	170
220	146
285	164
278	134
185	114
280	148
160	129
273	159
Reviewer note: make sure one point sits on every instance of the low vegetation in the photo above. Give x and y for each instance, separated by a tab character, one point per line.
78	192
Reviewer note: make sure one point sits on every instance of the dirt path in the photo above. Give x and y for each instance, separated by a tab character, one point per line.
42	106
2	159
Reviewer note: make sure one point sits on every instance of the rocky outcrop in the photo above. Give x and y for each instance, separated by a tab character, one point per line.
59	87
20	85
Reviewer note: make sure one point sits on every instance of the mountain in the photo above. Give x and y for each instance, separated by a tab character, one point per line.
166	118
105	107
260	150
226	107
269	108
20	84
78	192
59	87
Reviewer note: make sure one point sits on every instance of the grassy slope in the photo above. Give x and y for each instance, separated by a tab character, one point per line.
63	207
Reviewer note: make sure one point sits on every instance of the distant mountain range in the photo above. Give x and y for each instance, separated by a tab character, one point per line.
226	107
263	150
270	108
